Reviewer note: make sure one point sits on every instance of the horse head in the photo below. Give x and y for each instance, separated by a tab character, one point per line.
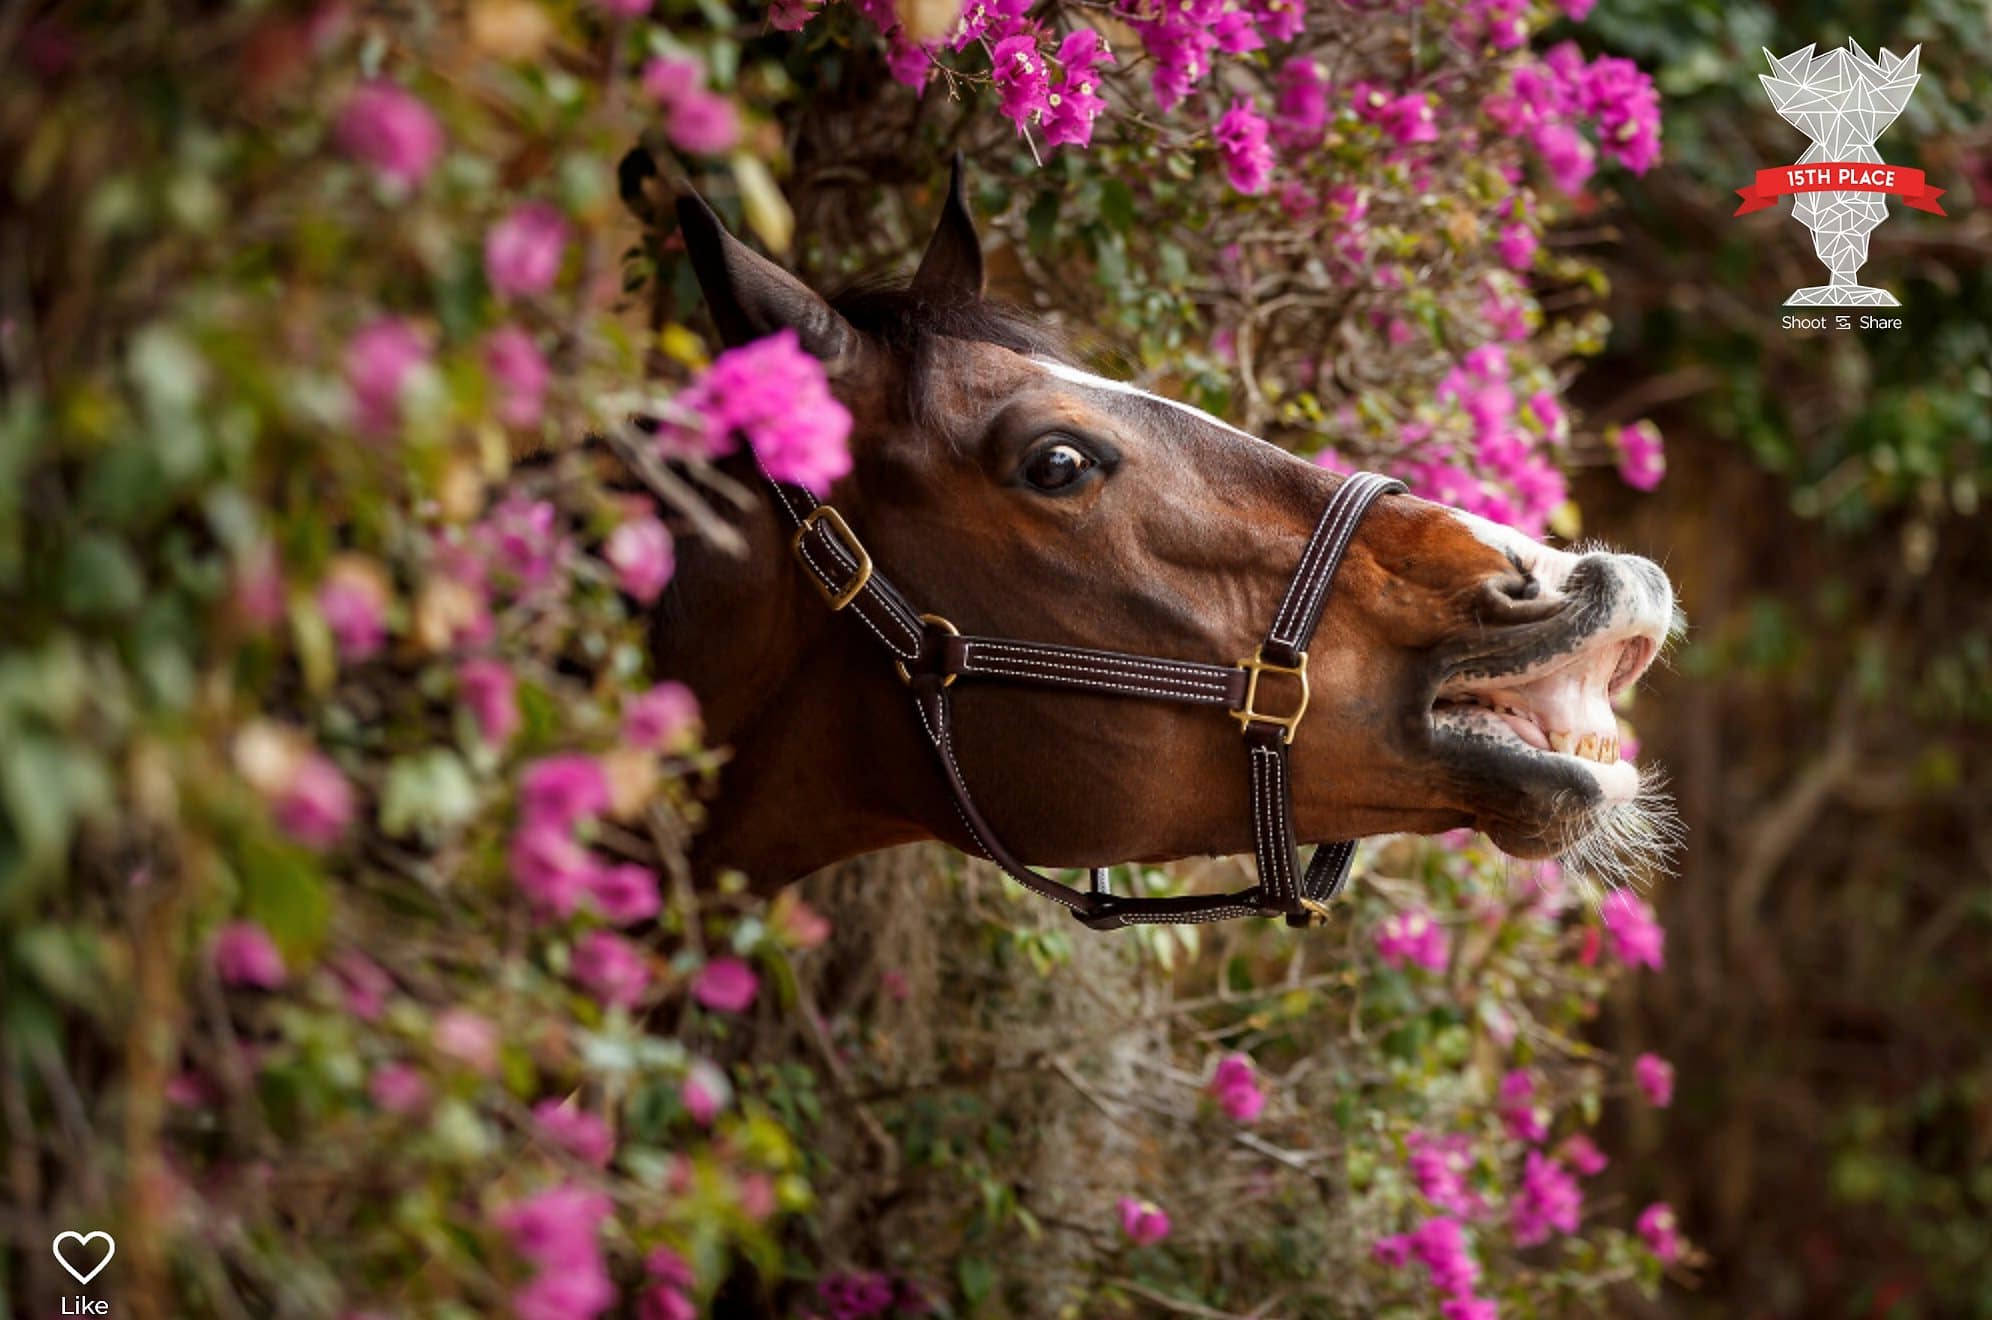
1462	674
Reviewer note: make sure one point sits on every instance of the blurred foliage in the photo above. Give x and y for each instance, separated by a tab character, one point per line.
1828	727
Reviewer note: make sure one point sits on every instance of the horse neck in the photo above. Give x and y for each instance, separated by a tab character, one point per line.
820	754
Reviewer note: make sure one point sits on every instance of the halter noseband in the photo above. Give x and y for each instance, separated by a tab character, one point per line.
930	654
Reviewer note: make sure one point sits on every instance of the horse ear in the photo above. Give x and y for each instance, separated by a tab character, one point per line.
751	296
951	271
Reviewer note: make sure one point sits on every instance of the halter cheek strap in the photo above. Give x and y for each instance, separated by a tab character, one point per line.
1267	694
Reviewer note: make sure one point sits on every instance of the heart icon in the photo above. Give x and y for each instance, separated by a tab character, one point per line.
82	1242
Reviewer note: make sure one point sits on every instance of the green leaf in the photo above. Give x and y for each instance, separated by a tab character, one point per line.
1042	221
1117	204
431	791
283	889
99	577
977	1277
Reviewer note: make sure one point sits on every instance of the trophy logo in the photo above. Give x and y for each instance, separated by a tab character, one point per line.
1842	100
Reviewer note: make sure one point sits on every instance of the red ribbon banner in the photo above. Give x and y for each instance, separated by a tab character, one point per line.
1840	176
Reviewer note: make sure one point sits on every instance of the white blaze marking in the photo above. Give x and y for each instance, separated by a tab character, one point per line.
1551	566
1078	377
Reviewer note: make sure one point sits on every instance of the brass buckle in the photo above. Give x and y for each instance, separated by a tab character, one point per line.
946	627
1248	714
836	599
1319	911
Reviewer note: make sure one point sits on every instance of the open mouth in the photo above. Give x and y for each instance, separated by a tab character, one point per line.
1559	710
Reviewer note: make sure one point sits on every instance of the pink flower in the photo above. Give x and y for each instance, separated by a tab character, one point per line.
703	123
570	1294
561	790
519	371
1566	155
1548	1201
491	692
552	870
640	551
1525	1120
1075	103
726	985
624	893
521	541
792	15
1440	1245
1394	1250
385	127
190	1090
1642	462
669	80
1279	20
668	1267
696	120
244	954
353	599
1543	406
664	1302
1468	1308
661	717
757	1195
1627	107
362	984
1023	85
911	63
316	806
1409	119
1583	1155
1241	141
1235	1086
581	1134
380	361
468	1038
1300	113
705	1092
522	251
1516	246
777	398
258	593
610	968
1144	1222
1662	1233
1438	1167
1637	937
1576	10
797	924
1413	937
556	1230
1656	1078
397	1088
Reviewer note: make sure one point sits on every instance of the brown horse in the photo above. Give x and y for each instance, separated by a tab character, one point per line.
1462	674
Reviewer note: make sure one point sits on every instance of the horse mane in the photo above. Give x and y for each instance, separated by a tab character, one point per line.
901	318
908	324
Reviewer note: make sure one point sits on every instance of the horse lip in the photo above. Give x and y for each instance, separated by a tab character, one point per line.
1524	649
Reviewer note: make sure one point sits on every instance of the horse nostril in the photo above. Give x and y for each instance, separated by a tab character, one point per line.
1514	598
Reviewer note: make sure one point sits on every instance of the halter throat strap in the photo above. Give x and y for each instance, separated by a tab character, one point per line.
1267	693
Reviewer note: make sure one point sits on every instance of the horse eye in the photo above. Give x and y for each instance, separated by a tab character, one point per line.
1055	467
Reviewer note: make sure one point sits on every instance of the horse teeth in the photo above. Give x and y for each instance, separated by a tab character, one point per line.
1587	747
1563	742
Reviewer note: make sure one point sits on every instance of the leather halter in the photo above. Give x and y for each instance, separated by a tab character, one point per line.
930	655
